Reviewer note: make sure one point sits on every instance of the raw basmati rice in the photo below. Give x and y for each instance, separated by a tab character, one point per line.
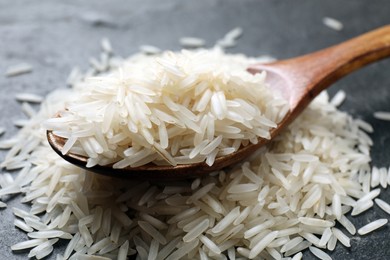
361	207
210	245
326	235
298	256
372	226
291	244
71	245
316	222
153	250
43	249
332	23
192	42
383	205
149	49
106	45
23	226
282	200
44	252
29	97
319	253
347	224
382	115
18	69
91	257
332	242
183	250
145	114
229	40
300	247
234	34
196	231
339	98
341	237
375	177
27	244
48	234
152	232
262	244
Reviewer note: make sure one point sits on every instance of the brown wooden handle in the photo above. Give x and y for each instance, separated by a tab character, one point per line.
327	66
314	72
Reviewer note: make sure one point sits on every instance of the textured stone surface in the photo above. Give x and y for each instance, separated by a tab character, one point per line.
54	36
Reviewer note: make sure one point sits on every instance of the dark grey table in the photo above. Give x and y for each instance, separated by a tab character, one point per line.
54	36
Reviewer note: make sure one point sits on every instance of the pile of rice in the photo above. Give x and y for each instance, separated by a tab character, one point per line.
284	199
169	109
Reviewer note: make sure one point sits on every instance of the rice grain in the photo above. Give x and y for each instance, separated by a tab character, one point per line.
372	226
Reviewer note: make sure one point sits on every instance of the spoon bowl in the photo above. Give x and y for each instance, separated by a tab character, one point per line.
299	80
151	171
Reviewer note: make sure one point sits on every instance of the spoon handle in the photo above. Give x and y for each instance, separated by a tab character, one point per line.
308	75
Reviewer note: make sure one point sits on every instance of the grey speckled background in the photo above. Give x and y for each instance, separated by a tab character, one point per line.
54	36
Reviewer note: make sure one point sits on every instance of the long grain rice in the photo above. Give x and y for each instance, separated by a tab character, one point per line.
18	69
372	226
383	205
319	253
29	97
382	115
332	23
283	199
191	42
136	118
341	237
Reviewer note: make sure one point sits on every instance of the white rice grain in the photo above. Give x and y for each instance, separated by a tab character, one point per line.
152	232
372	226
183	250
192	42
316	222
149	49
383	177
383	205
347	224
297	256
18	69
382	115
262	244
339	98
196	231
361	207
326	235
227	220
165	251
106	45
23	226
283	199
44	252
319	253
210	244
200	193
27	244
234	34
29	97
341	237
291	244
332	23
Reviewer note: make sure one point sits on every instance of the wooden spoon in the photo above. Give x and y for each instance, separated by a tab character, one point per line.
299	79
